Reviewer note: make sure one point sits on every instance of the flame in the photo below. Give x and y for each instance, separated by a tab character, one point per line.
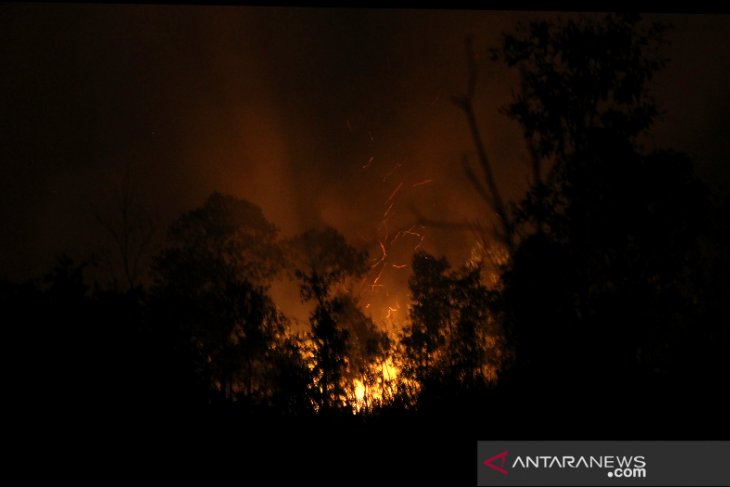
359	391
390	371
391	310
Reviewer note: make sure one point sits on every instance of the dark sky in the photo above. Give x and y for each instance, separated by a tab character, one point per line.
284	107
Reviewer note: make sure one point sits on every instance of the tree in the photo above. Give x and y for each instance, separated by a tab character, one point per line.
322	259
472	354
211	280
487	188
132	230
579	80
451	344
430	316
228	233
600	283
366	352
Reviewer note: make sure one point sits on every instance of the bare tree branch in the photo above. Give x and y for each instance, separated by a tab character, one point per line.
132	235
466	105
474	180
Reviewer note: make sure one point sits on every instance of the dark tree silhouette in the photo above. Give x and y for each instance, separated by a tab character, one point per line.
210	281
578	78
472	354
601	284
367	350
227	232
451	345
430	316
132	229
323	259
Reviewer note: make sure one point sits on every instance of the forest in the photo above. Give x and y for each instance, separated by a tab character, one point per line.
596	304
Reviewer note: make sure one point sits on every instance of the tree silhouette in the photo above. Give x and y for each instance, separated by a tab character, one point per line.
578	79
210	280
132	229
366	352
323	259
600	283
430	316
472	355
227	232
451	343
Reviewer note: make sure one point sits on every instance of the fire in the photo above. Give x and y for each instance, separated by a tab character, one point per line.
377	387
390	371
359	391
391	310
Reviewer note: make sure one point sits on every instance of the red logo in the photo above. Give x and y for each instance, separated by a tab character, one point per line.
501	456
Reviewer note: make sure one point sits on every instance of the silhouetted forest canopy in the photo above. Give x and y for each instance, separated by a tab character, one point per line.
603	286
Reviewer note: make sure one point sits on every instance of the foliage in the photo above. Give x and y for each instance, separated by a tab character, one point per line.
322	259
211	278
451	340
601	283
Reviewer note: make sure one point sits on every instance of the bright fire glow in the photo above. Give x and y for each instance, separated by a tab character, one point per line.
359	391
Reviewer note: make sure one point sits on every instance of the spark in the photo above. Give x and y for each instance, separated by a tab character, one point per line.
423	183
370	161
390	173
395	192
402	233
419	243
382	247
375	281
391	310
370	135
387	212
419	236
411	232
382	256
384	225
400	266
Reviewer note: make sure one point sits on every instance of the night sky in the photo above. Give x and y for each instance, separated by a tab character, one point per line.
316	115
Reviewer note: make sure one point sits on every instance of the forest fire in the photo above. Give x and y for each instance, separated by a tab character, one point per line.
342	225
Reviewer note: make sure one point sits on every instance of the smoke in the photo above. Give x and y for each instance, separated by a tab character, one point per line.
320	116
